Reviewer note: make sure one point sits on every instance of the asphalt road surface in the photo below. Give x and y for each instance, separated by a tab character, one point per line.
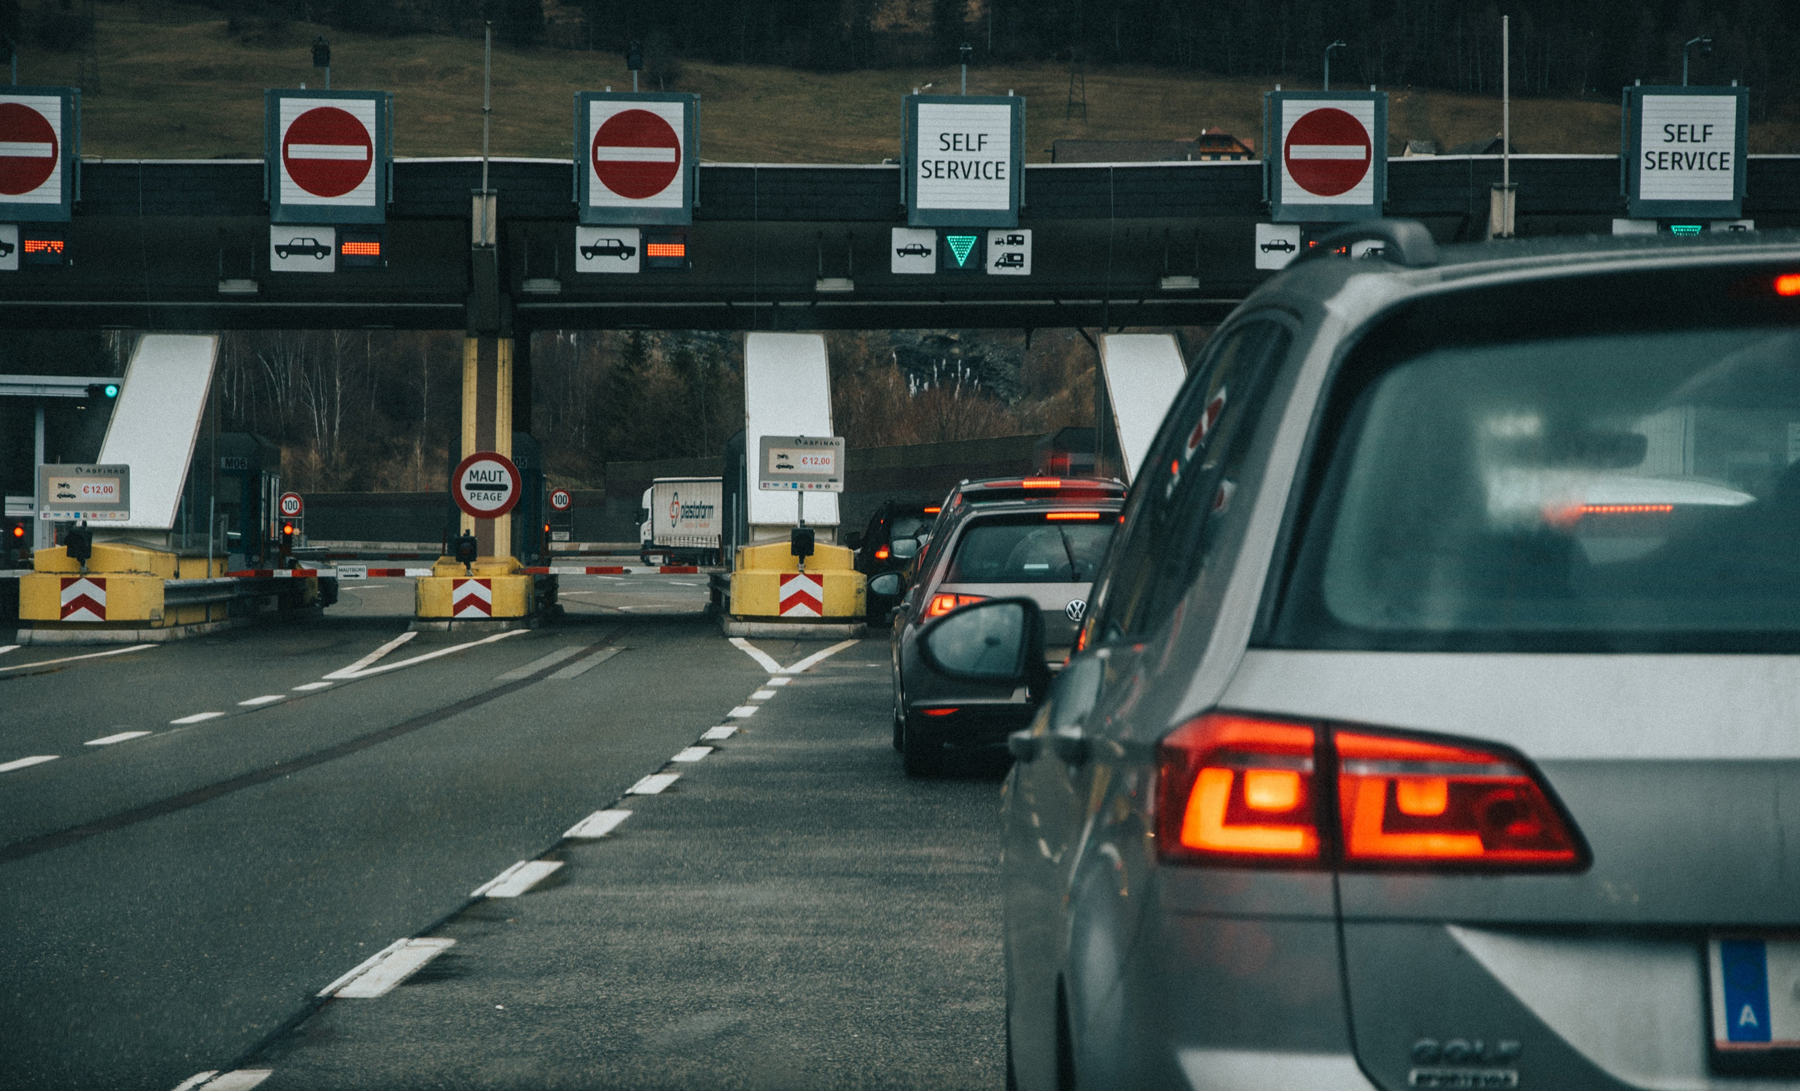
219	830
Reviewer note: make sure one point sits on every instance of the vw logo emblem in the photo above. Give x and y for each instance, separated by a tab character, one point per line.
1075	609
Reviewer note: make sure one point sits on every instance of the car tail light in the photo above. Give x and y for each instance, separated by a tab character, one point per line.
1787	284
1073	516
938	711
1247	791
881	553
1237	788
933	511
1042	483
1411	801
943	604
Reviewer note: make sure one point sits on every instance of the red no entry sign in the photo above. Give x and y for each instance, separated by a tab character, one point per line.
1327	152
486	485
327	151
636	154
29	149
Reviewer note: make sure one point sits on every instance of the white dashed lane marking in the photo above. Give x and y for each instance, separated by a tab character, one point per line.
517	879
762	695
24	763
652	784
308	687
108	740
598	824
778	680
386	968
723	731
693	753
742	712
74	658
242	1079
266	699
198	717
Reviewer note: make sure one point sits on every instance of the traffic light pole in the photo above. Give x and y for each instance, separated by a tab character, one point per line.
40	529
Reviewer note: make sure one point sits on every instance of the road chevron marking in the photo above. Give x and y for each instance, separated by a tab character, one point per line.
763	659
818	657
350	671
453	649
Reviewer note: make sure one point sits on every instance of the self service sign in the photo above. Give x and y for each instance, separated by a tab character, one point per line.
1327	155
327	155
1685	151
40	151
965	160
635	156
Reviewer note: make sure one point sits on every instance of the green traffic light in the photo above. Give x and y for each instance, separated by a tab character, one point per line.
960	245
112	390
1686	229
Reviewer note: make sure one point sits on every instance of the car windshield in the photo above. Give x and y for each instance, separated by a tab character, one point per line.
1028	549
1636	490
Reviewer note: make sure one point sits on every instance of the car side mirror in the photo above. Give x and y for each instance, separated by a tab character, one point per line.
904	549
888	584
853	540
998	640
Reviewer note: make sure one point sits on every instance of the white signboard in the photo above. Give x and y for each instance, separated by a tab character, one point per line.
31	151
608	250
1009	252
1328	152
965	157
327	152
94	493
801	463
9	248
302	249
1276	245
914	250
1688	148
636	152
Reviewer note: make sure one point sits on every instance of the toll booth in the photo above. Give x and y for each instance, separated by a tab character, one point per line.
236	476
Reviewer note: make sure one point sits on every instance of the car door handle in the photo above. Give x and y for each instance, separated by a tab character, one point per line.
1023	745
1070	745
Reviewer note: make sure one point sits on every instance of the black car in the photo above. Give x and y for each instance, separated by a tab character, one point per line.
6	248
910	525
303	247
609	248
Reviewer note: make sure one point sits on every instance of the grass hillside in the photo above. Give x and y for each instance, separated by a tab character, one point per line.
173	83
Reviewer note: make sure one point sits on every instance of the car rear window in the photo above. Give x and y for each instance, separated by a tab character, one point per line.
1627	490
906	526
1030	549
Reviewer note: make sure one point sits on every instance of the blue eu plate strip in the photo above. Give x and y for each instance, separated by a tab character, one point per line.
1744	965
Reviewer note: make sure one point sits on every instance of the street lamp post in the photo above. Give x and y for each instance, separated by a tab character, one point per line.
967	51
1705	44
1339	44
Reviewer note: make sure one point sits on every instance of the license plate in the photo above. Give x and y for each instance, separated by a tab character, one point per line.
1755	985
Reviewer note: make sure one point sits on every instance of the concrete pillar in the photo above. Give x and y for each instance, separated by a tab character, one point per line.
487	424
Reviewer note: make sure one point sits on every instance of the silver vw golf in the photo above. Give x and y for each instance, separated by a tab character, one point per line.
1437	723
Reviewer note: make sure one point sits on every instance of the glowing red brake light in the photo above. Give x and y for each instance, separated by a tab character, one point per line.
1407	801
1042	483
1237	787
943	604
1075	516
881	553
1787	284
933	511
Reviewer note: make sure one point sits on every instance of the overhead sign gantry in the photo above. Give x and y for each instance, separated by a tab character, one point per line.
635	159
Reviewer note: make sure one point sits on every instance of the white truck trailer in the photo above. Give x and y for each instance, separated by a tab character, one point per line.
681	518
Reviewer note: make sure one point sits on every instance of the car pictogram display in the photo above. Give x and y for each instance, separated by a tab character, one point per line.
913	250
303	247
609	248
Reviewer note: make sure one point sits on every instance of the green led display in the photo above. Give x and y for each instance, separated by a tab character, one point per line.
960	245
1685	229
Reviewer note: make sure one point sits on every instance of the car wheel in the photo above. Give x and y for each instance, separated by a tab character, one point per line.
920	754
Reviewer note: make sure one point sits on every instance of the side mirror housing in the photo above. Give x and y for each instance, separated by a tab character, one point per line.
904	549
888	584
998	640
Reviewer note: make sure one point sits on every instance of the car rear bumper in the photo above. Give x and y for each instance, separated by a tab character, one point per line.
977	727
1259	1070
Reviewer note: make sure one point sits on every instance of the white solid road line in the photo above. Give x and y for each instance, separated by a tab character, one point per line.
242	1079
120	737
266	699
762	695
452	650
350	671
73	658
386	968
763	659
582	666
21	763
517	879
723	731
598	824
198	717
307	687
692	753
538	664
817	657
652	784
743	712
4	648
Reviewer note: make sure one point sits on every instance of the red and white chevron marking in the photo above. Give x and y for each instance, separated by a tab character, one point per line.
84	598
472	598
802	596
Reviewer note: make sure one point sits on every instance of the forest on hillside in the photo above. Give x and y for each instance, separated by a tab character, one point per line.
1560	47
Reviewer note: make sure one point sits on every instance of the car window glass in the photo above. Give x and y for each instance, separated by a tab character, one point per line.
1029	549
1189	475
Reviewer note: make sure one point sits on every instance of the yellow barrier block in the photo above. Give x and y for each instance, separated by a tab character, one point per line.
494	587
767	582
110	557
94	597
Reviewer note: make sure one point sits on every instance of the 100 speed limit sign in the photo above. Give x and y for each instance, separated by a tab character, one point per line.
486	485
